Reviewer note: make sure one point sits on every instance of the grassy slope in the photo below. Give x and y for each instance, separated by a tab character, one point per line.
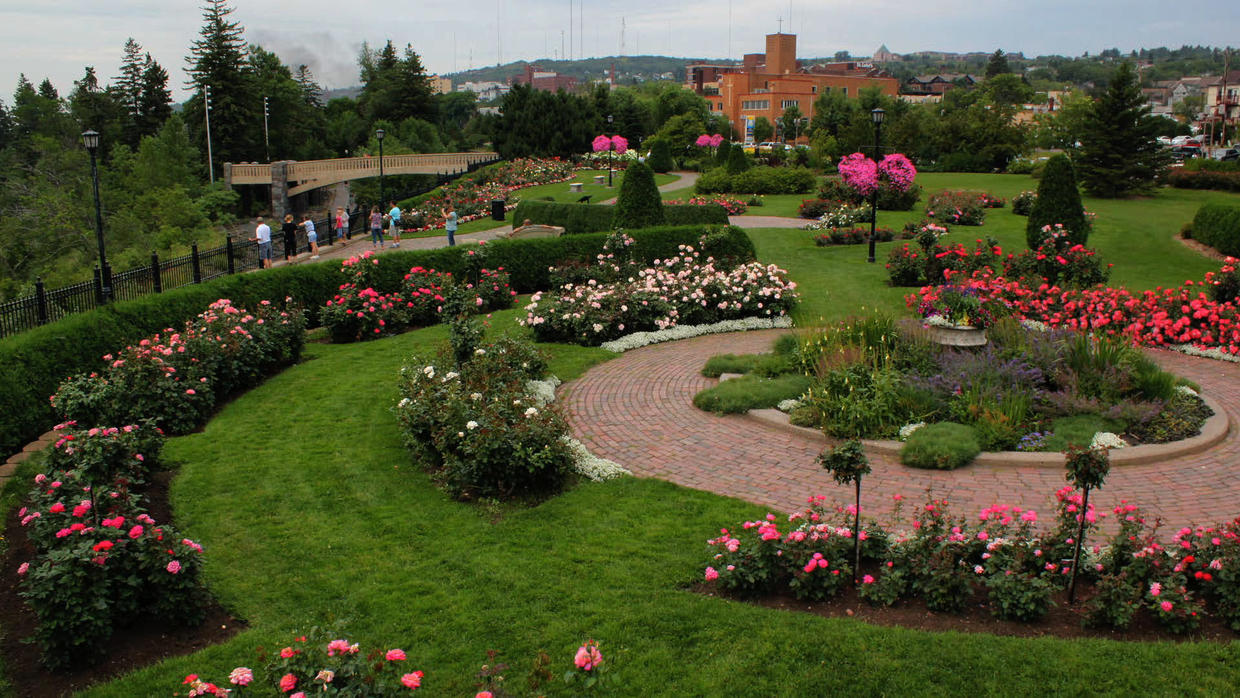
311	512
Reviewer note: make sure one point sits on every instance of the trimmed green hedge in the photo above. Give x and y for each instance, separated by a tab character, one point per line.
591	218
1204	179
33	364
758	180
1218	225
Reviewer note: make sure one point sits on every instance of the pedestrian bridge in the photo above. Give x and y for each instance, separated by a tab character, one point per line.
290	177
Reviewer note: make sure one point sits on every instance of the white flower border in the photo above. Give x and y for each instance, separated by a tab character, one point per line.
591	466
671	334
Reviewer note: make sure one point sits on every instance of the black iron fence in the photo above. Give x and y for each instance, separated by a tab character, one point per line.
233	257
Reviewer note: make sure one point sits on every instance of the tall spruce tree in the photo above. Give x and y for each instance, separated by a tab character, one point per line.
998	64
154	99
129	82
218	60
1119	153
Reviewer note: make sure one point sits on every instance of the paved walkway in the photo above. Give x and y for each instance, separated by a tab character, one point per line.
637	410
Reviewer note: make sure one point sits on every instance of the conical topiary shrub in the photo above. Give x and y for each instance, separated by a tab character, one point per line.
738	160
661	156
1059	201
639	204
721	156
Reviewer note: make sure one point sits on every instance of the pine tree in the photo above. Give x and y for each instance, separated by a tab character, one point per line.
218	60
311	92
721	156
129	82
154	99
639	204
661	156
1119	154
1058	201
738	160
998	64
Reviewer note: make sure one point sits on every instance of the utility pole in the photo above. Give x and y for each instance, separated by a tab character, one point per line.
266	133
207	112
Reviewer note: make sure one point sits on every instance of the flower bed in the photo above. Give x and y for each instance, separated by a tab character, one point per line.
731	204
620	297
853	236
176	378
1054	262
950	562
841	215
958	207
101	562
472	194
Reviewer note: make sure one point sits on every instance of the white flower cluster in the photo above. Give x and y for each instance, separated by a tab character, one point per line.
542	392
641	339
1185	390
1035	325
938	321
1107	440
908	429
841	217
591	466
1212	353
788	405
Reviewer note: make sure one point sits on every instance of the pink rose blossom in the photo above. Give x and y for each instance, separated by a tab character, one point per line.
412	681
241	676
395	655
174	567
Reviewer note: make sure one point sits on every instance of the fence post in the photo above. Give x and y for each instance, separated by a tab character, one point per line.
228	247
156	282
40	294
98	286
193	253
327	226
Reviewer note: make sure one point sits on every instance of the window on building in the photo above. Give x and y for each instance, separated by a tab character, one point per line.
791	103
845	89
755	104
813	89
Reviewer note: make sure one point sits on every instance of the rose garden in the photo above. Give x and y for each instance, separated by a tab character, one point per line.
693	438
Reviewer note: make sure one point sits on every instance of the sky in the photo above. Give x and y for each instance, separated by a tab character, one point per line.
58	38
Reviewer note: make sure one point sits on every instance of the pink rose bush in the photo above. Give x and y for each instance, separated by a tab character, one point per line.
864	176
472	193
683	289
947	560
731	204
94	540
175	377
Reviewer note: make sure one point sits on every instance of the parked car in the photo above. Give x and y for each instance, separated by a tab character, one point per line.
1229	155
1184	152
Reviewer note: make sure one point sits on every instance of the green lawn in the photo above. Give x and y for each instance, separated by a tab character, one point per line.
311	512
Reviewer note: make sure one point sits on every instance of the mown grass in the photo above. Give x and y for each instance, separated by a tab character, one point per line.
746	393
311	512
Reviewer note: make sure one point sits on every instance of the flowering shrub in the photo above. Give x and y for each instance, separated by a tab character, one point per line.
843	215
472	194
957	207
864	176
617	143
176	377
731	204
1054	262
685	289
474	426
959	306
101	562
1022	203
852	236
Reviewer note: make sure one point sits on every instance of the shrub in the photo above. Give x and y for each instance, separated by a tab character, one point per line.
890	198
956	208
1023	202
816	208
1218	225
661	156
702	212
1019	596
738	161
852	236
758	180
860	401
941	446
1058	201
574	218
1058	262
639	204
750	393
1221	181
1115	601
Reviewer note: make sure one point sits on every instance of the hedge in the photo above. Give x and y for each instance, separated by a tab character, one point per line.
1206	179
1218	225
589	218
33	364
758	180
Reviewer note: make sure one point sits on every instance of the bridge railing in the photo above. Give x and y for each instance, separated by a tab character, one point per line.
344	169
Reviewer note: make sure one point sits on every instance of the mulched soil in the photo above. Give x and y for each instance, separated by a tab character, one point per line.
141	644
1062	621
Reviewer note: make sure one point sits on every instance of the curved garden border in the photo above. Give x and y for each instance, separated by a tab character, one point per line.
1213	431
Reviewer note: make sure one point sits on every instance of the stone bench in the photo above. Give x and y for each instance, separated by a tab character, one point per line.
600	179
535	230
575	187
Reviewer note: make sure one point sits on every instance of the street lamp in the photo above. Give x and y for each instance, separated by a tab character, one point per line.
206	110
877	117
382	190
266	133
91	140
611	147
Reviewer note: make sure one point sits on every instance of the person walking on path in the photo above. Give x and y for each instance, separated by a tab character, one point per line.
449	216
290	236
341	224
376	228
311	236
262	235
394	216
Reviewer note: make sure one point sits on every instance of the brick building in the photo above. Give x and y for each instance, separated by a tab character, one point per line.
766	84
549	81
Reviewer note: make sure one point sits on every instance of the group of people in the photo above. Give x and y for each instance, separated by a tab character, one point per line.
379	222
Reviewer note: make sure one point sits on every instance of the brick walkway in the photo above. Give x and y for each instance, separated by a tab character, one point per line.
637	410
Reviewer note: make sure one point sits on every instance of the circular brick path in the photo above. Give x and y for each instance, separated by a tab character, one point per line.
637	410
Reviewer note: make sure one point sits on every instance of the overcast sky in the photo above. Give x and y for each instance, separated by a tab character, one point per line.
58	38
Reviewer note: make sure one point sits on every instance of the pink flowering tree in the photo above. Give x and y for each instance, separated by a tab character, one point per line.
865	176
703	141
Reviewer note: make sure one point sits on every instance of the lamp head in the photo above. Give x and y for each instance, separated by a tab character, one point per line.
380	134
91	140
877	116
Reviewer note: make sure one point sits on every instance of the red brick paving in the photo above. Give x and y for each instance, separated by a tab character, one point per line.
637	410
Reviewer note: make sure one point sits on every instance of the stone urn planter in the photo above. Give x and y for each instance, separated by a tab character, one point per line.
957	335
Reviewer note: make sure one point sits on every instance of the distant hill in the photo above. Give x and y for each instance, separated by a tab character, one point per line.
629	69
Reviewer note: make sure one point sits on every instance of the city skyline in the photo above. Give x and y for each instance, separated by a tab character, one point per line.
90	33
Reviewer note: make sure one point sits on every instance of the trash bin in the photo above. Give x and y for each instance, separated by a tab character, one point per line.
497	209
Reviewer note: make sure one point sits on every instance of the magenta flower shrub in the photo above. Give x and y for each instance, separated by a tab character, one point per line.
101	562
731	204
176	377
957	207
685	289
864	176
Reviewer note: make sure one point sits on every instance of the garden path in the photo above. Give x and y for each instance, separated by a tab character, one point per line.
637	410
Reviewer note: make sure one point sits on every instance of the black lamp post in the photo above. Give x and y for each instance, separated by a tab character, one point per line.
877	117
382	190
611	148
91	140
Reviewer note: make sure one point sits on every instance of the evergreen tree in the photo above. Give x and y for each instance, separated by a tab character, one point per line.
394	88
661	156
154	99
1059	201
94	107
639	204
1120	155
738	160
997	65
723	154
129	82
218	60
311	92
